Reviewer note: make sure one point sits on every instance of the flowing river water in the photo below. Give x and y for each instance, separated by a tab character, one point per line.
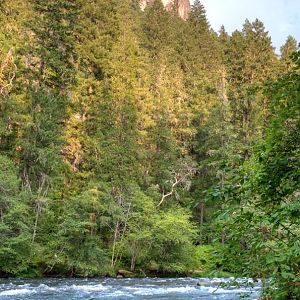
126	288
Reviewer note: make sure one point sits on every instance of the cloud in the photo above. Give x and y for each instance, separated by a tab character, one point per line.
280	17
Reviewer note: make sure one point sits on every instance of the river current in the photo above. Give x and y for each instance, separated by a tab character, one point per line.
126	288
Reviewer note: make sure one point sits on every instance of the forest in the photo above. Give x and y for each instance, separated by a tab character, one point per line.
137	141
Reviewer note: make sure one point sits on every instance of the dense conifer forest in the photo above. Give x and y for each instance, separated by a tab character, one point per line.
134	140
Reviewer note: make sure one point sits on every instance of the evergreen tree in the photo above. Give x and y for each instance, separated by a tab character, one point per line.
119	127
286	51
12	38
252	63
15	219
49	55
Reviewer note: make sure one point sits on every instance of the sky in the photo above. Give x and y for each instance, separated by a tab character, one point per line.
280	17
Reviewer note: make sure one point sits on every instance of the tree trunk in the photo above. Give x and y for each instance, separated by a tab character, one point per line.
35	226
114	244
201	207
132	265
223	237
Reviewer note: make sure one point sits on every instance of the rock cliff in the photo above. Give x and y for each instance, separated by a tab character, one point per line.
182	6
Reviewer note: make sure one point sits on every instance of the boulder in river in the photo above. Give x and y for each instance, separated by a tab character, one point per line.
124	273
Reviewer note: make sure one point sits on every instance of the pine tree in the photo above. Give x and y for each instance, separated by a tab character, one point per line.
49	58
286	51
253	61
15	219
12	38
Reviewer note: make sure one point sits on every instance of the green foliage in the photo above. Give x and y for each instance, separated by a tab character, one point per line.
212	261
163	240
172	247
268	219
287	50
15	248
136	243
127	137
82	222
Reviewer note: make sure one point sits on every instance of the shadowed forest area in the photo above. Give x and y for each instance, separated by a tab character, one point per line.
135	142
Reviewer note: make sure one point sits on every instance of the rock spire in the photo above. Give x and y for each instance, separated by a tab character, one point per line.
182	6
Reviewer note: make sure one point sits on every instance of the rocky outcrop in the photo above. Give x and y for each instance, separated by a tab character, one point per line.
182	6
125	274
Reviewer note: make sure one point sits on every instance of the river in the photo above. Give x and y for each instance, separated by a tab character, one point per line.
125	288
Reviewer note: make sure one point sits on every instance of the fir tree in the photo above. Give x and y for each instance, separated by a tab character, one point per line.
287	50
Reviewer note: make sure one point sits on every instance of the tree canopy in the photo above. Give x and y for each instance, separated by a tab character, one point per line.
135	139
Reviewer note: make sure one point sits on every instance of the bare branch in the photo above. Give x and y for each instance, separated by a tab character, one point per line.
177	181
180	177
